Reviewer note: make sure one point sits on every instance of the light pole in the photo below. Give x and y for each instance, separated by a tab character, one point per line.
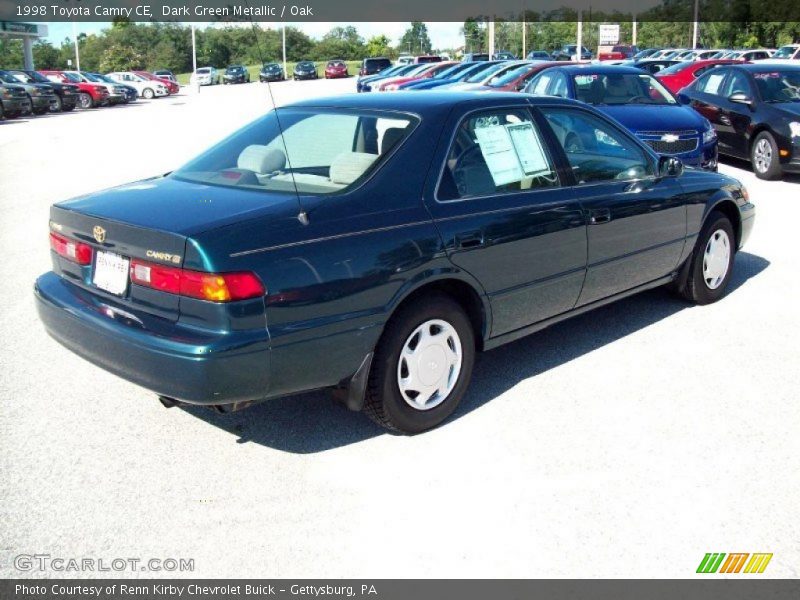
284	50
77	50
694	28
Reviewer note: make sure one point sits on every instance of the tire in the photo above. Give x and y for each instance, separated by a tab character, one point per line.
390	407
2	112
85	100
705	281
67	109
59	107
148	94
764	157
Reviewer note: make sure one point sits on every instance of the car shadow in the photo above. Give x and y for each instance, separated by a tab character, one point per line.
314	422
745	165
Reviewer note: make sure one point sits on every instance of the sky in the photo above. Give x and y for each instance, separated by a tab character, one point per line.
443	35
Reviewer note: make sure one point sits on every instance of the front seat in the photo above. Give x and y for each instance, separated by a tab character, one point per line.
261	160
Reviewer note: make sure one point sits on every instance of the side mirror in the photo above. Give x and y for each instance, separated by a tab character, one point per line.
684	99
669	166
741	99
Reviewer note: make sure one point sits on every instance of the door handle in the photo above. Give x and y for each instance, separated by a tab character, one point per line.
725	120
473	239
599	215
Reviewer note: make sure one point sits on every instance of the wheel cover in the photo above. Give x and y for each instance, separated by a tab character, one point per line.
429	365
762	156
86	100
716	259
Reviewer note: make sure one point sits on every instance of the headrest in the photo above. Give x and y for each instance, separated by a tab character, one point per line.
261	159
349	166
390	137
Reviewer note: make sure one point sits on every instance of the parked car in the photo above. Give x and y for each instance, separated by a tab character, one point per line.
66	93
90	95
403	274
116	93
305	69
646	53
517	78
236	74
363	82
503	55
475	57
204	76
42	97
405	60
654	65
427	71
755	109
474	69
569	52
444	76
129	93
620	52
371	66
678	76
749	55
789	52
474	79
166	74
14	101
538	55
640	103
172	86
428	58
271	72
336	69
147	88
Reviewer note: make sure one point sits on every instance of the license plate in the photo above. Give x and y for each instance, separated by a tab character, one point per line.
111	272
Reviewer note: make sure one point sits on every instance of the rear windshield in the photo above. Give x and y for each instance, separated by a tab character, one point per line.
428	59
322	151
335	63
480	57
377	63
619	88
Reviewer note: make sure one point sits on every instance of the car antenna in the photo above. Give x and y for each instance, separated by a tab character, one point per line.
302	215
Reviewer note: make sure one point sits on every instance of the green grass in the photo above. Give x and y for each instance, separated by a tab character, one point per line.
352	67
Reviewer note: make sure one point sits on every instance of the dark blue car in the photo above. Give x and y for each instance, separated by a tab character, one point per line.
641	103
375	246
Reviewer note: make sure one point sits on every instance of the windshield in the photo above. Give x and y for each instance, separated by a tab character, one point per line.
90	77
270	66
621	88
9	78
235	69
449	72
509	76
676	68
321	151
335	63
485	72
785	52
23	76
779	86
103	78
203	71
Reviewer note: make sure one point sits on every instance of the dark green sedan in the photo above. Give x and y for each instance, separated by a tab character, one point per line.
373	244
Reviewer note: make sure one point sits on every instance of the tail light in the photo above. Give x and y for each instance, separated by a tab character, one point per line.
215	287
77	252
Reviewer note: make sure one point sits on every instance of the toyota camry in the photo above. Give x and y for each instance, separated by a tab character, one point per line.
303	253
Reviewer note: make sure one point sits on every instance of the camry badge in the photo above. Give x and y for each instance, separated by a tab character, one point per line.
669	138
99	234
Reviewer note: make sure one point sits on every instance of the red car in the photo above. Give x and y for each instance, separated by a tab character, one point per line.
335	69
391	85
90	95
615	52
677	77
172	87
515	80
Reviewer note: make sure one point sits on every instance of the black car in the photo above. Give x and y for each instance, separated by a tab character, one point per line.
755	109
14	101
503	55
305	69
41	95
271	72
371	66
655	65
66	93
569	52
475	57
402	234
236	74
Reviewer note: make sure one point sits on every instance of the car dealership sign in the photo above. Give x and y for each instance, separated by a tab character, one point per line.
609	35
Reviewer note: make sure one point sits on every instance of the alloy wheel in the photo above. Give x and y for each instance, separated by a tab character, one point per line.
763	155
429	364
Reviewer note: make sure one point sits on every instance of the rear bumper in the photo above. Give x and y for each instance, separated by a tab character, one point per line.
199	367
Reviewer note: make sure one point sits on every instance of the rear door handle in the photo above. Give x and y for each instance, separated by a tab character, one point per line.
473	239
599	215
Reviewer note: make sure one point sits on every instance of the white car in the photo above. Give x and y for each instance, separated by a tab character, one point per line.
784	54
147	88
205	76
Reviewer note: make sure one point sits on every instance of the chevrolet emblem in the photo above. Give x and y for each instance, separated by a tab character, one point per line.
99	234
669	138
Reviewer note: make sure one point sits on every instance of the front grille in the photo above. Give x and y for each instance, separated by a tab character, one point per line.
687	141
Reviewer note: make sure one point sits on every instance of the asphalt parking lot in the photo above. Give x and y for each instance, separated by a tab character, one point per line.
627	442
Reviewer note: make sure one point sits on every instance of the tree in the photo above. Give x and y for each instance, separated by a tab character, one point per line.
45	56
120	58
378	45
415	39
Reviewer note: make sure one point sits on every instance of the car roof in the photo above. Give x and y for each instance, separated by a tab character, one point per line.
601	69
765	68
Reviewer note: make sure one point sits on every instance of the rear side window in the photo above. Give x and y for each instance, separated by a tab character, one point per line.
596	150
496	152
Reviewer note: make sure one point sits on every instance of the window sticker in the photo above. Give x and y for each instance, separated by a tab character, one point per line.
512	152
766	75
713	83
499	154
584	79
528	148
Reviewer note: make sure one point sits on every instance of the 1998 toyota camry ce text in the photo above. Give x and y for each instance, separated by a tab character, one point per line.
375	246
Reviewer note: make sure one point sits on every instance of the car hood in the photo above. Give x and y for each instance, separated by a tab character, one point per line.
643	117
174	205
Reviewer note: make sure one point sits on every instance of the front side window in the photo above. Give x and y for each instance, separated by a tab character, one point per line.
737	83
538	86
496	152
596	150
321	151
